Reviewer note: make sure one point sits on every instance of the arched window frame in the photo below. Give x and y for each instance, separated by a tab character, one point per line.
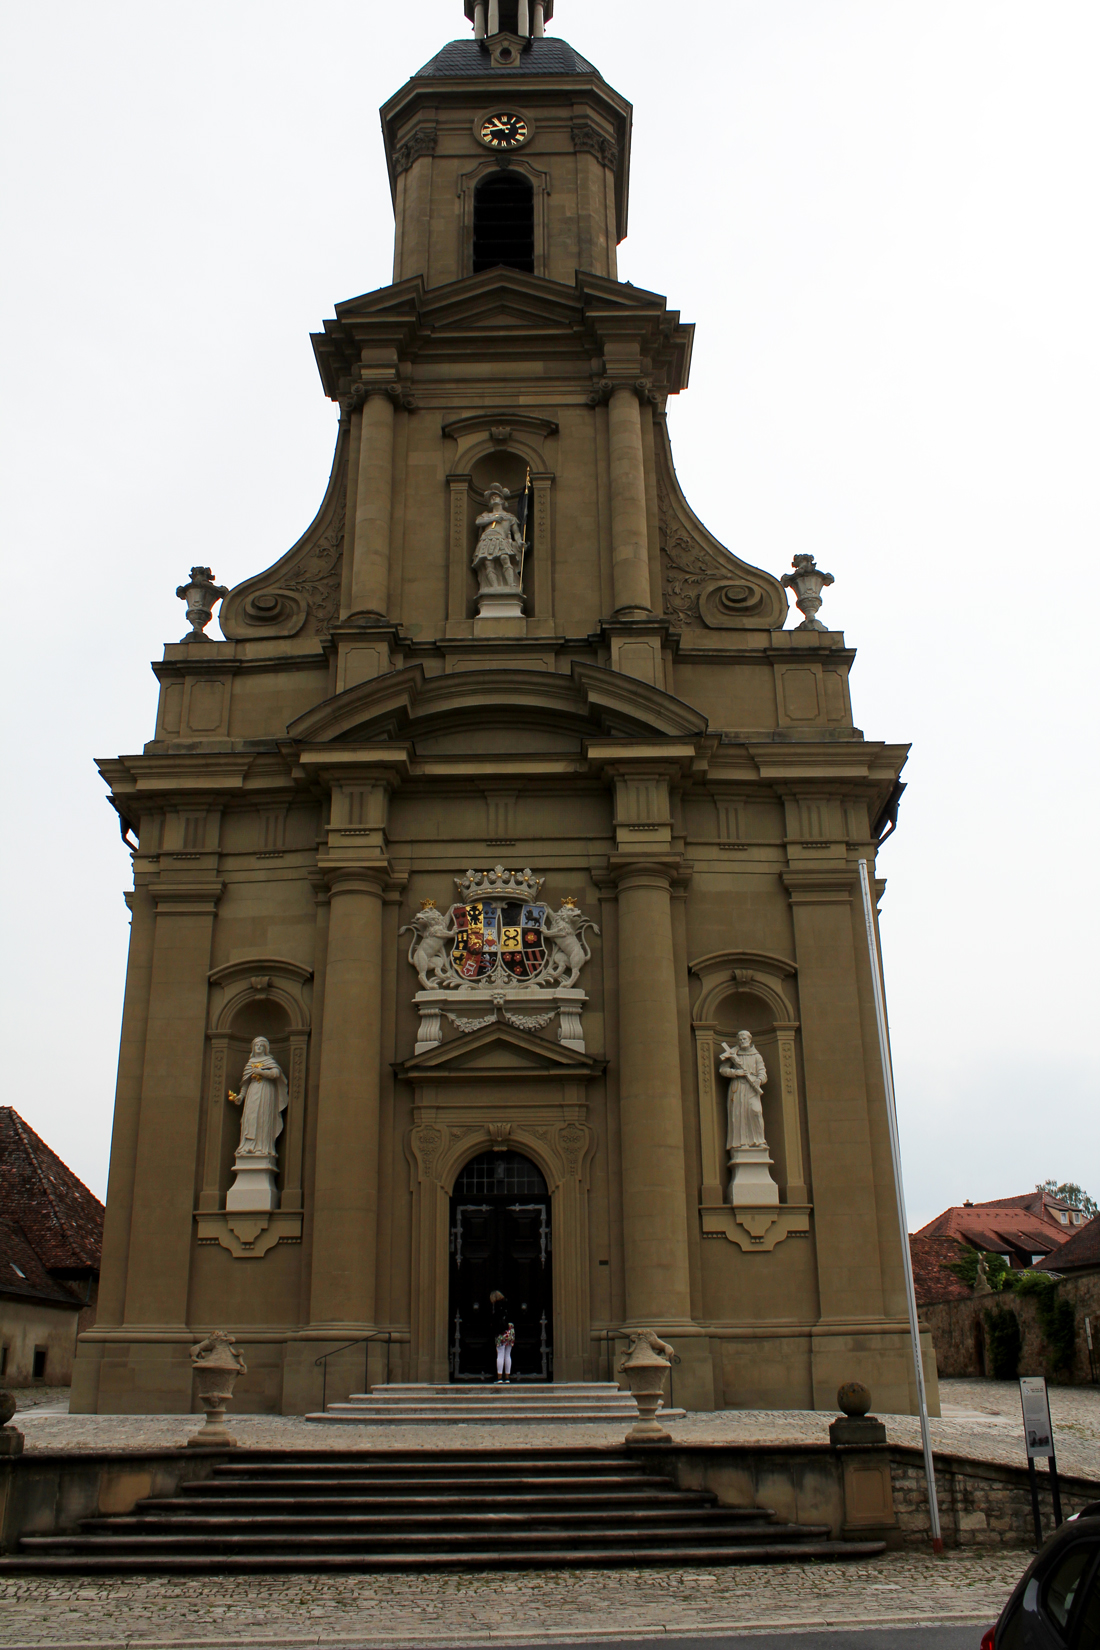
540	186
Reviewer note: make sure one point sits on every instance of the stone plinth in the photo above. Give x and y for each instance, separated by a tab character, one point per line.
253	1186
751	1184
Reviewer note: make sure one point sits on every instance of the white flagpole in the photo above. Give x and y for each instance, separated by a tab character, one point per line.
895	1152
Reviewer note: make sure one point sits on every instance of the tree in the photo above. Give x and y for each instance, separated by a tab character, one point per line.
1071	1193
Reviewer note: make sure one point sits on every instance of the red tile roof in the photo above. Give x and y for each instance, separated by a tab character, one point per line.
1079	1253
931	1257
54	1212
1023	1225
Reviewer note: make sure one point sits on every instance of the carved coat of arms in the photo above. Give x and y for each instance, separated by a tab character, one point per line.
498	934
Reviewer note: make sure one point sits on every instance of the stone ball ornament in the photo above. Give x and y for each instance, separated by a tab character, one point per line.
853	1398
7	1408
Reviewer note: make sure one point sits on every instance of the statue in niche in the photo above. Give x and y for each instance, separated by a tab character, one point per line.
747	1075
263	1098
498	559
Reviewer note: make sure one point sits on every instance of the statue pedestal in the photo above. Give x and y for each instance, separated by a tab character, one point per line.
254	1183
751	1184
500	613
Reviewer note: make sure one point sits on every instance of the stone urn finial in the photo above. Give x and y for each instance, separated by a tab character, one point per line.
11	1439
647	1362
200	594
216	1363
807	582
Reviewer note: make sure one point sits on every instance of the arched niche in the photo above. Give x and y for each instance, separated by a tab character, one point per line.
255	997
742	990
499	446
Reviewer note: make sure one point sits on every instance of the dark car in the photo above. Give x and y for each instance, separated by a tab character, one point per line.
1056	1603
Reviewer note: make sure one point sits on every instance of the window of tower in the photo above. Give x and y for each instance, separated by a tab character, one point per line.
504	222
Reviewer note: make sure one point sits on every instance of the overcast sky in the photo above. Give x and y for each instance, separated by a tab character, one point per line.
881	216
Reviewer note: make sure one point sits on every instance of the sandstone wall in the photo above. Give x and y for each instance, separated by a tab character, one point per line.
959	1333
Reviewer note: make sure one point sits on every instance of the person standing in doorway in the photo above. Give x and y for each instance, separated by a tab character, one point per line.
506	1340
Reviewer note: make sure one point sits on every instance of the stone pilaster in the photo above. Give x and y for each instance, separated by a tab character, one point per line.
370	581
629	529
346	1166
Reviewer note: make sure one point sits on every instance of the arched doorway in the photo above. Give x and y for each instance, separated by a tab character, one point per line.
500	1244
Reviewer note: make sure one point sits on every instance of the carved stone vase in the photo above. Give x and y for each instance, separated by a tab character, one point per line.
216	1363
645	1366
807	582
200	593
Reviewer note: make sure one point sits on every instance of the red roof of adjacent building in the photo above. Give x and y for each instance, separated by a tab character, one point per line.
1027	1225
1079	1253
56	1214
931	1257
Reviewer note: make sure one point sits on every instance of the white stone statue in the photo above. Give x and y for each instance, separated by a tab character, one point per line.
431	930
499	554
570	950
263	1098
263	1101
747	1075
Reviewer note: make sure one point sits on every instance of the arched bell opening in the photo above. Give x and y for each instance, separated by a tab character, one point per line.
504	222
501	1268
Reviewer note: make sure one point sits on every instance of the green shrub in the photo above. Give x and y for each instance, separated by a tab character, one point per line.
1003	1342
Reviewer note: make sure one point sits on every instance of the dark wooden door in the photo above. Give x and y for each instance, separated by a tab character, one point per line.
500	1245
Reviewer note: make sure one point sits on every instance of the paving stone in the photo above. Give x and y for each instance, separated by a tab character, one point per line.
981	1419
431	1609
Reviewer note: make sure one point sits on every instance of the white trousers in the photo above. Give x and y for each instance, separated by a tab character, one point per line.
504	1360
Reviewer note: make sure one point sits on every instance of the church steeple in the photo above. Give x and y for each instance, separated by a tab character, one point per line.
527	18
511	149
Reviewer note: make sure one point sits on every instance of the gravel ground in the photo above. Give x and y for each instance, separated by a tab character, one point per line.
980	1419
449	1610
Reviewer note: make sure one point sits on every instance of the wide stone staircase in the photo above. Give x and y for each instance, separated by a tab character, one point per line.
441	1510
422	1404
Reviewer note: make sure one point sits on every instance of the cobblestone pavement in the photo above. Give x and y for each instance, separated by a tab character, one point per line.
508	1607
980	1419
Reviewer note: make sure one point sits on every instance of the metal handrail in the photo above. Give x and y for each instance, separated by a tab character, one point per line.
609	1335
363	1340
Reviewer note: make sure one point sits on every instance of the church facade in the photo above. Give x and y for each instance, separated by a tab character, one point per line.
496	951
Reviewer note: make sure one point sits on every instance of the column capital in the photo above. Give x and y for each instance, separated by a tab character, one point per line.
357	879
639	870
187	898
827	886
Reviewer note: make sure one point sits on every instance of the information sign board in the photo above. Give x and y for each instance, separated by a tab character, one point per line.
1037	1428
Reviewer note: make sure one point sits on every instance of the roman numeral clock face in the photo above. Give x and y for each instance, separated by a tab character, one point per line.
504	130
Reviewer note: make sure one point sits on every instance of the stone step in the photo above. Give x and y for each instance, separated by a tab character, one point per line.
325	1505
485	1558
391	1525
522	1538
423	1510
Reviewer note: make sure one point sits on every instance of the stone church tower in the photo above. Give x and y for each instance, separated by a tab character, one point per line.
510	798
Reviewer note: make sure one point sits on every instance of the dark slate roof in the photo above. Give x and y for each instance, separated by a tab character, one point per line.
56	1213
22	1273
468	57
1079	1253
931	1279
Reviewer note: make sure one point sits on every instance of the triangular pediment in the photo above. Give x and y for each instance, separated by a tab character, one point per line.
499	1051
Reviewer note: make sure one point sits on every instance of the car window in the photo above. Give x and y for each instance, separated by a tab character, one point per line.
1086	1634
1063	1581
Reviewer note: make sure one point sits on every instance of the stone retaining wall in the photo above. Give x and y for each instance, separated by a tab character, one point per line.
982	1503
958	1332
